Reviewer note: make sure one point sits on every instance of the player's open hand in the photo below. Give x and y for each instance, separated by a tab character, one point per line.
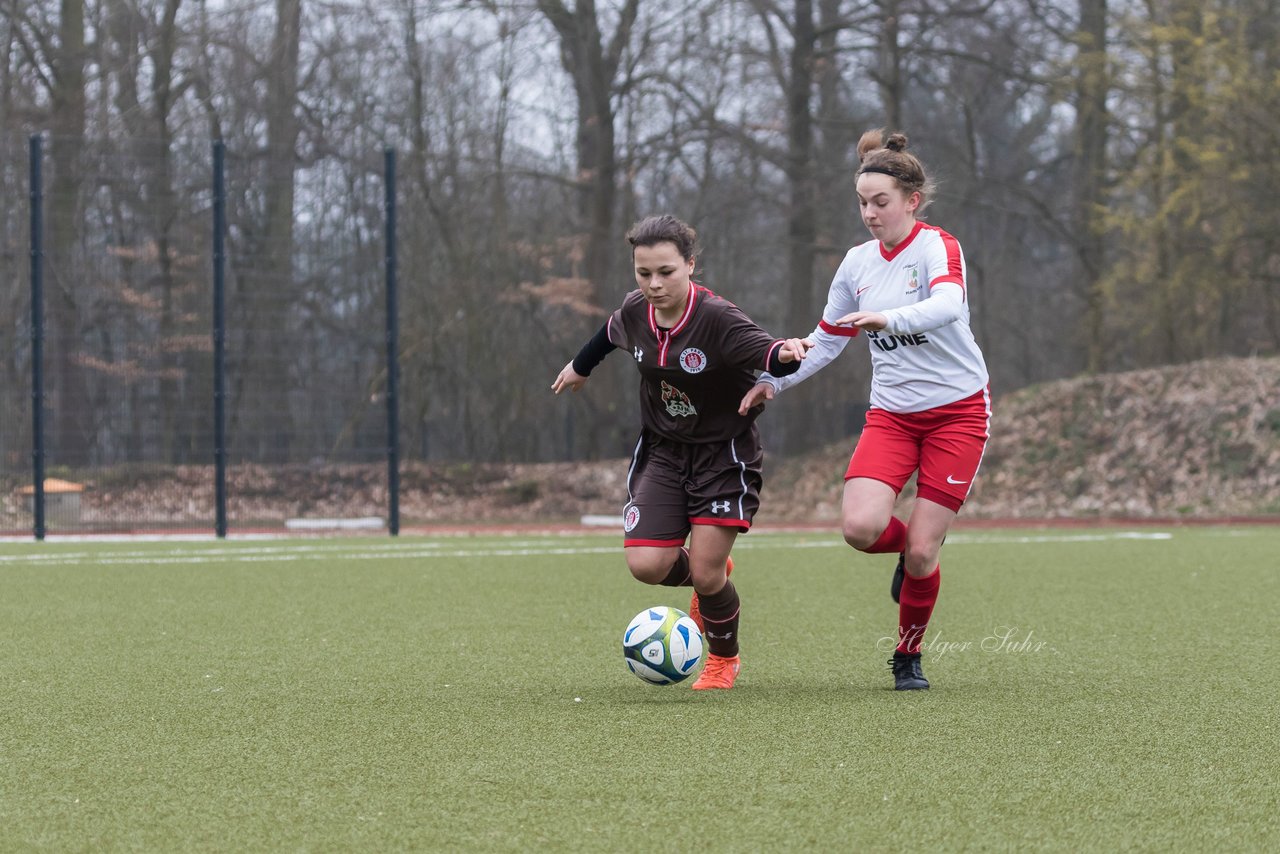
570	379
759	393
794	349
872	321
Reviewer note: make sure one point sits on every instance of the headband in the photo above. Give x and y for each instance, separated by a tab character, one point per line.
883	171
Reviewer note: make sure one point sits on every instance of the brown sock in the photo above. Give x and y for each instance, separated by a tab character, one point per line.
720	616
679	576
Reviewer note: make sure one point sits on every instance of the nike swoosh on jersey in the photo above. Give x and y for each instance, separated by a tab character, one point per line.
952	480
859	291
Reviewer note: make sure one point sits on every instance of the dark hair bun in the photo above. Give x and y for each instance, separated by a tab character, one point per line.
896	142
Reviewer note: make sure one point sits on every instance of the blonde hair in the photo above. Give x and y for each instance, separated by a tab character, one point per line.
889	156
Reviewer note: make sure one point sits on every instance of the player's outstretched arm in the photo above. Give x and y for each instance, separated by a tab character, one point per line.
759	393
591	354
568	378
872	321
793	350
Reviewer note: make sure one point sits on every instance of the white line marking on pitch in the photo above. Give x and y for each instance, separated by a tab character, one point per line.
233	552
288	553
108	559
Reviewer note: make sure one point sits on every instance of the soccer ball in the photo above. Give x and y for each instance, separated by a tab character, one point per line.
662	645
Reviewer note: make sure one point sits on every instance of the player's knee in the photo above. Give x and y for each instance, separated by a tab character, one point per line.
708	580
647	568
861	533
920	559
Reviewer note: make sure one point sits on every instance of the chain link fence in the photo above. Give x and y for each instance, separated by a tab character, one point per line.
118	251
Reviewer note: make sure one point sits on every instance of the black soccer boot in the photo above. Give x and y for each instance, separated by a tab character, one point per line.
899	572
907	675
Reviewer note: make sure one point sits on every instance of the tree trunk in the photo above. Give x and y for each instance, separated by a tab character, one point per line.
1091	150
1182	341
592	65
162	97
71	425
264	414
802	222
889	74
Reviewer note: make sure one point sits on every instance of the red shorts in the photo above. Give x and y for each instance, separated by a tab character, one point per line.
945	444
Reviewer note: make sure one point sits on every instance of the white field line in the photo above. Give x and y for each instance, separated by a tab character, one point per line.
232	552
286	552
972	539
143	538
107	559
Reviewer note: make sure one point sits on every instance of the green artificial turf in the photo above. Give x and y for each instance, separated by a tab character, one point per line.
1091	691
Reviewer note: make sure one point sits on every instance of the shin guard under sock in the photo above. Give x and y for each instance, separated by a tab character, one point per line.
680	574
892	539
914	608
720	617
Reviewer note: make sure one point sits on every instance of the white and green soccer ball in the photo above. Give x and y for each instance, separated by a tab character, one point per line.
662	645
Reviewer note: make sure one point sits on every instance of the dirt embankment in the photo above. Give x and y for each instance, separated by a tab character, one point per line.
1191	441
1196	441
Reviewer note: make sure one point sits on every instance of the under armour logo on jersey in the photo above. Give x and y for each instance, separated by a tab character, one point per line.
638	353
720	506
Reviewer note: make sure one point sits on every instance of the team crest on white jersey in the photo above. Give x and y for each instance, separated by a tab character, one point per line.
693	360
913	278
630	518
677	402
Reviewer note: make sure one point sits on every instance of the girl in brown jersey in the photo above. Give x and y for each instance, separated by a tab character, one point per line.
696	470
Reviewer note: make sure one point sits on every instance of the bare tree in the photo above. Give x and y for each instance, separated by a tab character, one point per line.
1085	155
266	288
141	41
71	425
591	59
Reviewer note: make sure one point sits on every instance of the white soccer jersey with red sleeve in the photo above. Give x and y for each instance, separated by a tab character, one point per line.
926	357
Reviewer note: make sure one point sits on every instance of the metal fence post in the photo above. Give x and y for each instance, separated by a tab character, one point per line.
393	355
37	334
219	339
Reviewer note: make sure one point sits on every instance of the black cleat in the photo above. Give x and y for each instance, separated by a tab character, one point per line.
907	675
895	587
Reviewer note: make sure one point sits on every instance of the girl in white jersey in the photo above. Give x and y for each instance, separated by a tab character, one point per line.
930	406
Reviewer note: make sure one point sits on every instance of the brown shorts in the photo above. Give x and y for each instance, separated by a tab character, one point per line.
675	485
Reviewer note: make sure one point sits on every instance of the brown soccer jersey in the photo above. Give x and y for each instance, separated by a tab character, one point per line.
693	376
